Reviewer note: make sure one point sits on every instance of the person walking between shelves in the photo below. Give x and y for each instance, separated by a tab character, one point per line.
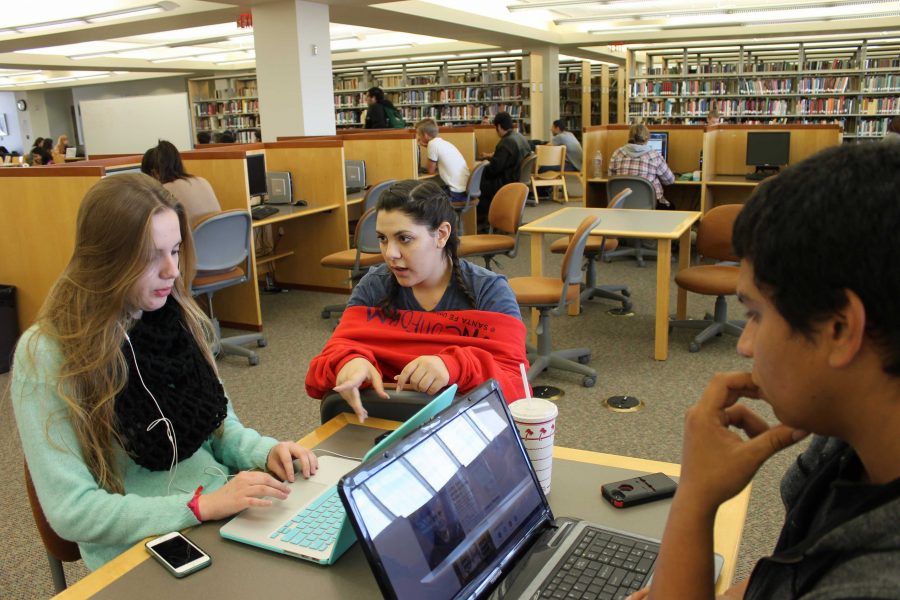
504	162
444	158
638	159
382	114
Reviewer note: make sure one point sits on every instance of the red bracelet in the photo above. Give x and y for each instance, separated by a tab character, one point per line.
194	504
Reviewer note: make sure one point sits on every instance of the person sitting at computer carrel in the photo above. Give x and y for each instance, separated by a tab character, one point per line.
824	335
117	398
639	159
444	158
425	318
163	162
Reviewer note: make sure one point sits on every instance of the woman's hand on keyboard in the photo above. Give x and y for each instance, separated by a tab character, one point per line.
281	460
246	489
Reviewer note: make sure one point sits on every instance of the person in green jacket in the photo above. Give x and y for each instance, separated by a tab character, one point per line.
124	421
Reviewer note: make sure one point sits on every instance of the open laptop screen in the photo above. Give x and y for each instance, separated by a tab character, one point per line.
441	515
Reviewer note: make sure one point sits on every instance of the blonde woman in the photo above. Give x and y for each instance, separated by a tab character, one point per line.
125	424
59	150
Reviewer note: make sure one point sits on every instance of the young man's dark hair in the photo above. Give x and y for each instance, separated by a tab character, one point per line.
559	124
228	137
503	120
843	197
203	137
377	93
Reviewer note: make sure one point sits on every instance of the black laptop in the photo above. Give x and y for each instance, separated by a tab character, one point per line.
455	511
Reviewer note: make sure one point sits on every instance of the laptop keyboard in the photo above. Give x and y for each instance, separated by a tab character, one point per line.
317	526
262	212
601	566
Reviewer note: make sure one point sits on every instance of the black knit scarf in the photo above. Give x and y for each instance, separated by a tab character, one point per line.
183	383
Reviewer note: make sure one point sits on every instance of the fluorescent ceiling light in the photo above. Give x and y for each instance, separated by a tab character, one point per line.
91	55
13	73
125	14
48	25
386	60
100	76
371	48
235	62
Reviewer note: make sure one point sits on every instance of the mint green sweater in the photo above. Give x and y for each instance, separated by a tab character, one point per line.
105	524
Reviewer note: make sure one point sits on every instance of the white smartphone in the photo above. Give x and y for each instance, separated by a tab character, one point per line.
179	555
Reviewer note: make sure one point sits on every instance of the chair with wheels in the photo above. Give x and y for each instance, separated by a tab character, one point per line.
505	214
399	407
719	280
643	196
473	193
526	168
222	244
593	253
550	156
550	295
367	253
58	549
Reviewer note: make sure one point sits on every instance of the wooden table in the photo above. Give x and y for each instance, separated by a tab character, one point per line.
238	570
661	225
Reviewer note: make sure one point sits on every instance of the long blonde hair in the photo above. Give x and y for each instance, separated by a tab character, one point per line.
89	308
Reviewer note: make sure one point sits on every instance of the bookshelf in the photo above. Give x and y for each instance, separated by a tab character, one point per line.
599	104
855	85
225	103
451	92
571	100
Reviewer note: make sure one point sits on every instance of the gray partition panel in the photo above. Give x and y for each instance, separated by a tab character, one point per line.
242	571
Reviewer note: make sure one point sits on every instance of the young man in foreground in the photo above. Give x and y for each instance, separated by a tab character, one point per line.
819	255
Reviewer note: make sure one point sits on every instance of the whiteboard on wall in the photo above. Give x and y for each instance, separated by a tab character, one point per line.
132	124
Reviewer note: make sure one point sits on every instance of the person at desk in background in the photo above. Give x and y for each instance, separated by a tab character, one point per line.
892	136
59	150
425	318
163	162
824	336
504	163
116	394
443	158
380	110
204	137
638	159
712	117
564	137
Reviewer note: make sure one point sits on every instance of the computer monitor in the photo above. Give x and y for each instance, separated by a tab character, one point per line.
256	174
355	175
768	148
122	170
659	141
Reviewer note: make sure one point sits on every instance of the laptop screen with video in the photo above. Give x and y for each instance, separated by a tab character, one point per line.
443	515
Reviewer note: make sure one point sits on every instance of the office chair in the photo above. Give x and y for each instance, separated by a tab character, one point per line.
719	280
473	193
642	196
222	244
593	253
550	156
526	167
374	193
550	295
367	253
505	214
58	549
399	407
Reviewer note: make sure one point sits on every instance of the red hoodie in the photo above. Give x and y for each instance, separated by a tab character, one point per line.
475	345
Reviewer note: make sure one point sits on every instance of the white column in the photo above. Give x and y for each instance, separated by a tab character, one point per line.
545	74
293	69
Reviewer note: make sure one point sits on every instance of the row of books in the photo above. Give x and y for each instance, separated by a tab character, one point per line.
824	84
880	106
470	112
349	83
228	106
755	87
882	63
881	83
872	127
224	94
826	106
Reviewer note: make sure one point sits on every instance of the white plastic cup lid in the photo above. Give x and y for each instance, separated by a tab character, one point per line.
533	410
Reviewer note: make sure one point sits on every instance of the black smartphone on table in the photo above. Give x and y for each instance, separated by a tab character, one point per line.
638	490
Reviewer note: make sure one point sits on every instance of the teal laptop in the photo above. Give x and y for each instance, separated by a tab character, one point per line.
312	523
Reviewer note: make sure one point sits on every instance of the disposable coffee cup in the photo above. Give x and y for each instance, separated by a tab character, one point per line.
535	419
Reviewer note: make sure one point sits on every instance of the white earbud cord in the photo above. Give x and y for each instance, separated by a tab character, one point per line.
170	428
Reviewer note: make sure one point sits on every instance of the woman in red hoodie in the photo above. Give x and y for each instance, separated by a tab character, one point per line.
425	318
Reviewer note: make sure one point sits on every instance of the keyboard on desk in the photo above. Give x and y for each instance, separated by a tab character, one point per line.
602	566
262	212
317	526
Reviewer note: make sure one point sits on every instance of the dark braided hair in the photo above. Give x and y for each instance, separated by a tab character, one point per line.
426	204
